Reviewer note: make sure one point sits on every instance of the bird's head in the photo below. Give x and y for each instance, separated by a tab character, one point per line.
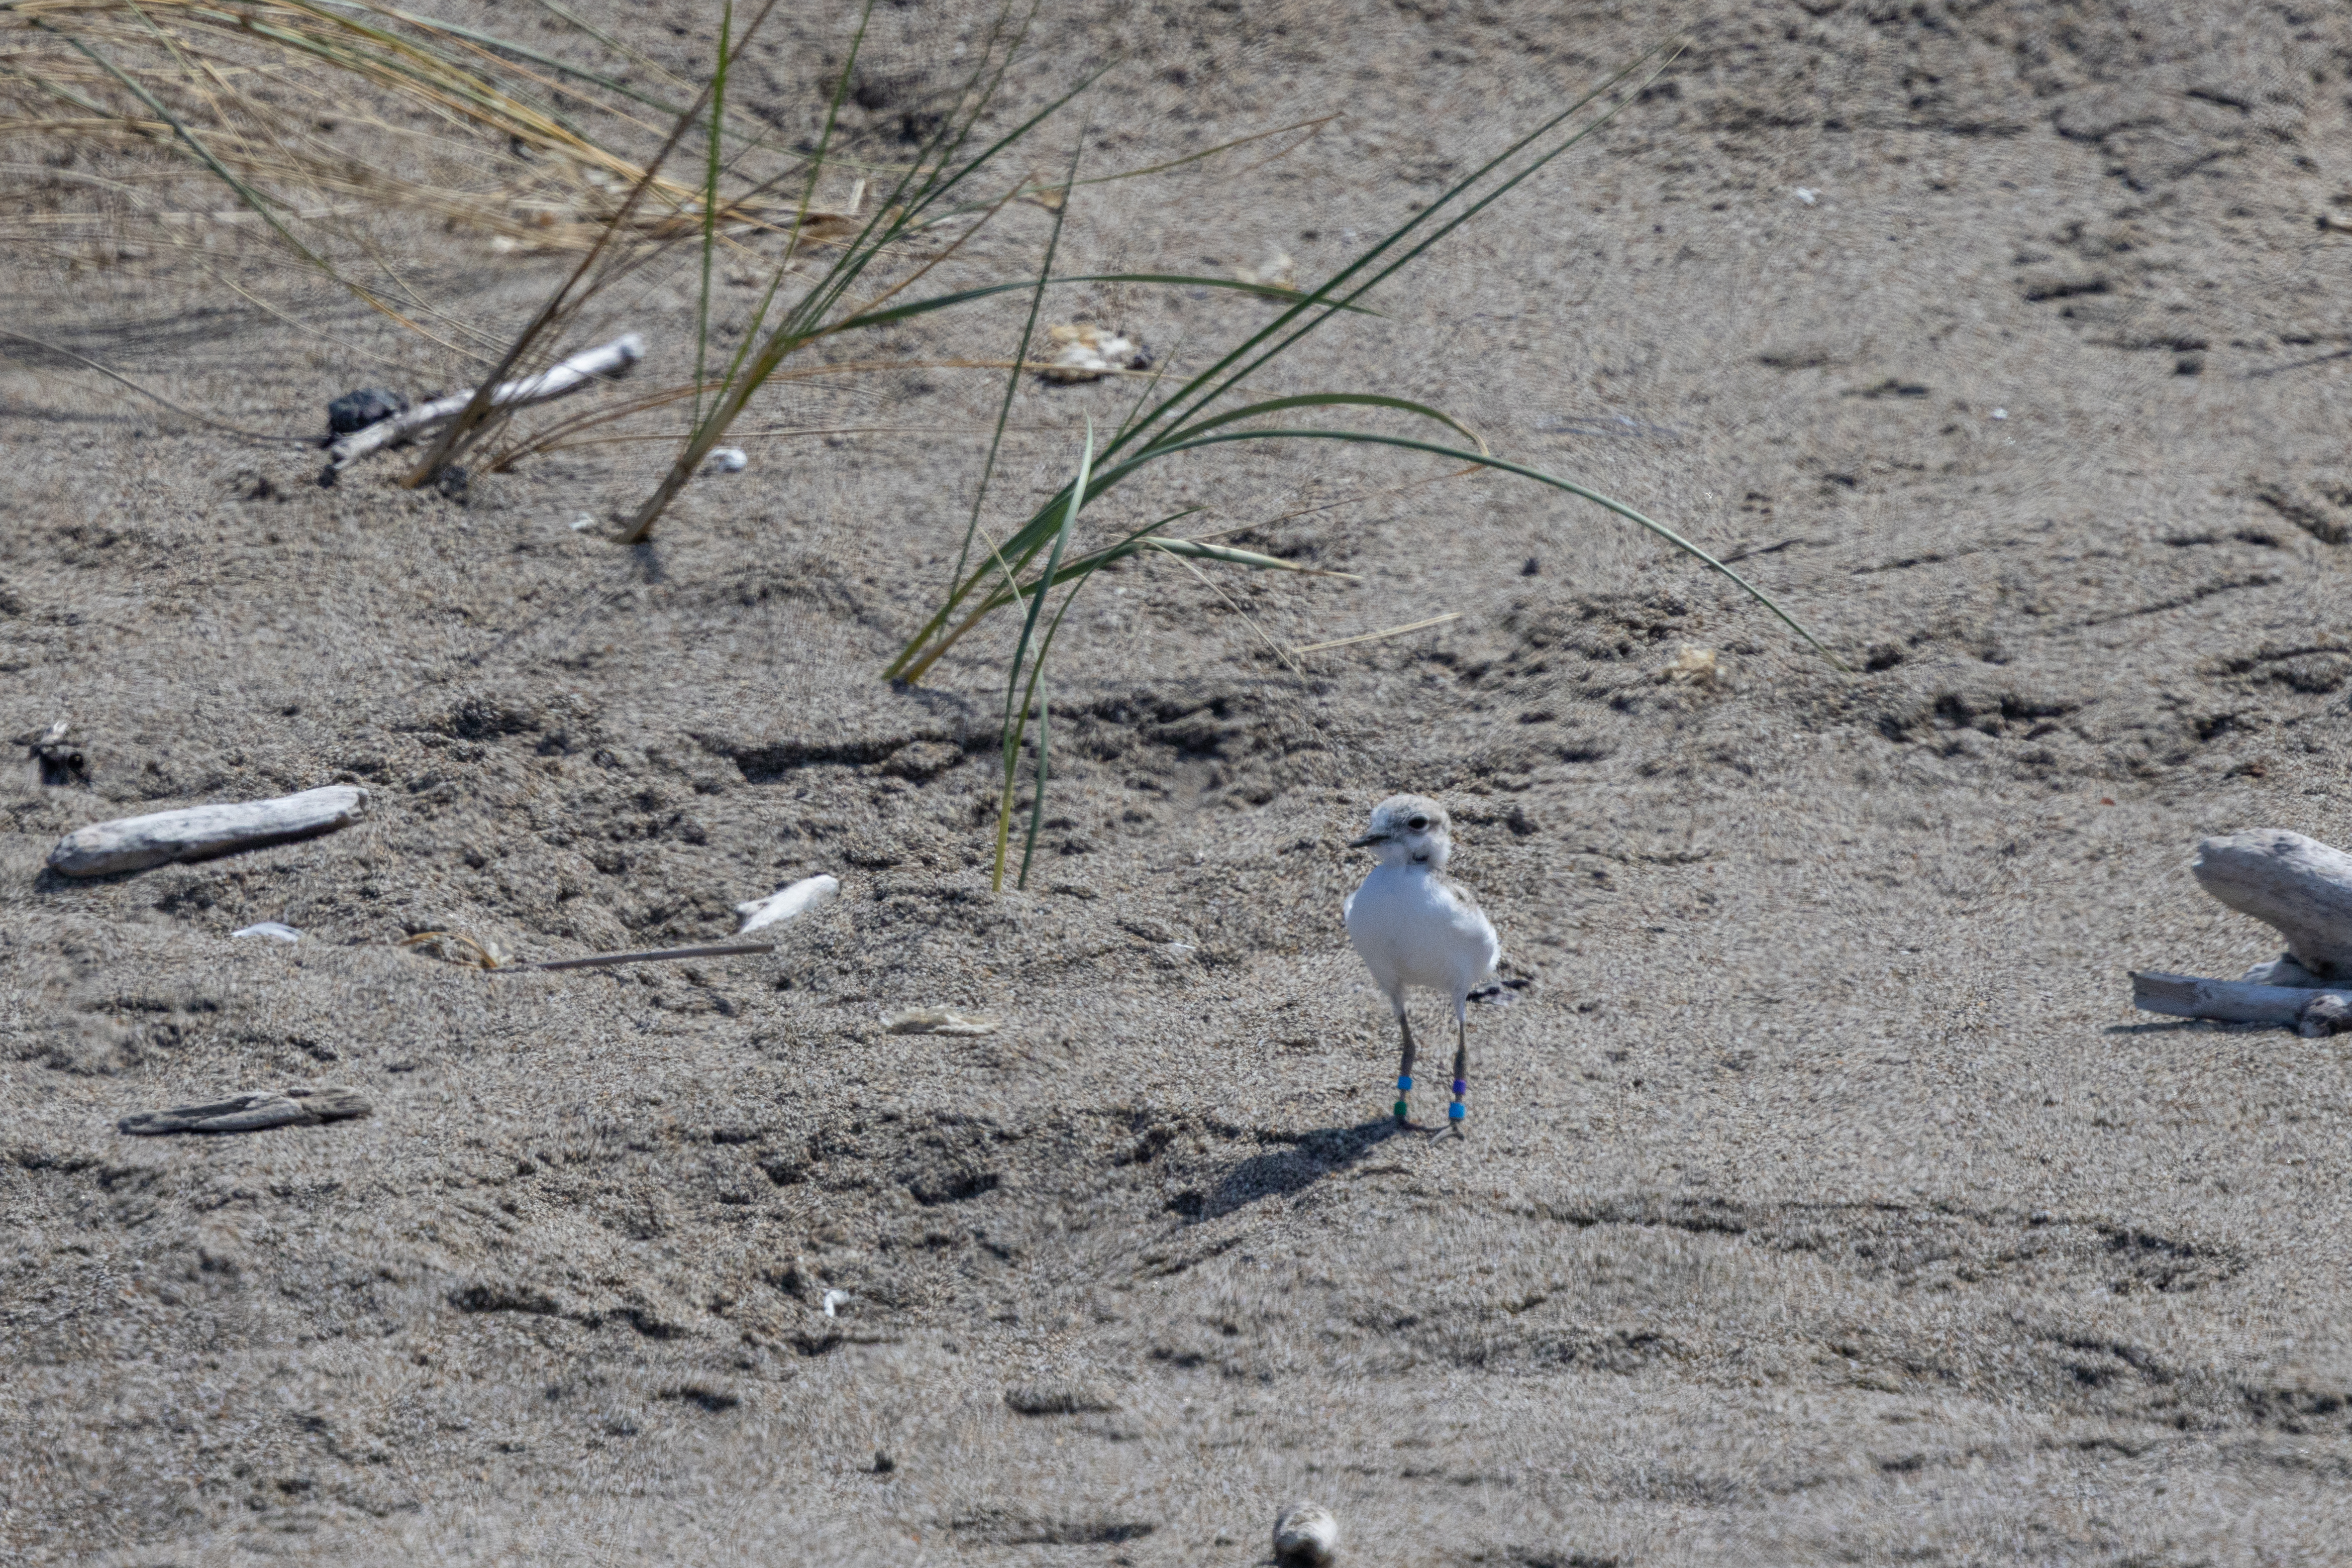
1408	829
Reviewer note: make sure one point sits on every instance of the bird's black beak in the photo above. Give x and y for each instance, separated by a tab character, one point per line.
1368	840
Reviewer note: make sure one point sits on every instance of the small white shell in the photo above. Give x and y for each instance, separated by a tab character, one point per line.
937	1020
1083	353
1694	666
809	893
272	929
1305	1534
1279	272
728	460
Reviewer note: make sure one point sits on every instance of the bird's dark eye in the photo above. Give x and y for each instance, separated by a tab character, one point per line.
1418	823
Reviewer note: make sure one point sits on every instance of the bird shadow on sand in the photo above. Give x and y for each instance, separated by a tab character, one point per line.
1298	1165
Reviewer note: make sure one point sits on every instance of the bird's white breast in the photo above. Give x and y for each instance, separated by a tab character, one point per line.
1410	930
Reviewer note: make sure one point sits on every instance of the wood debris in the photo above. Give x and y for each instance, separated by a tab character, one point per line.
199	833
255	1112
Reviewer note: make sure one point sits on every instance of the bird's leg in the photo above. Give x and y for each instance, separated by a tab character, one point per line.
1457	1112
1404	1069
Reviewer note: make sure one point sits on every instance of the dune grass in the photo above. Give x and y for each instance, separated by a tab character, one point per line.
1199	415
236	89
320	117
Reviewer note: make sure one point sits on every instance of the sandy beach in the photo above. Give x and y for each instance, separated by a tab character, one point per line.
1823	1200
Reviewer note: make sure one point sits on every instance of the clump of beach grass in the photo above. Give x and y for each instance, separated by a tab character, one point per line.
234	89
1203	412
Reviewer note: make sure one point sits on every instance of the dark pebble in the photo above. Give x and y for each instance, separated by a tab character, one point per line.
358	410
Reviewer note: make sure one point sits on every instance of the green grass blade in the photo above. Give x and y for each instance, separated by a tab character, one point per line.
883	317
1023	547
800	220
1045	756
1080	571
807	319
1084	565
1016	707
938	188
1013	381
919	653
711	200
1206	387
1488	460
1319	399
454	434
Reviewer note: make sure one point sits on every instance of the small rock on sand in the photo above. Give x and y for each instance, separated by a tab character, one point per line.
1306	1535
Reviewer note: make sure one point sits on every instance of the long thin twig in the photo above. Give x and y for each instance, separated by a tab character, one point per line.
180	409
1386	631
652	956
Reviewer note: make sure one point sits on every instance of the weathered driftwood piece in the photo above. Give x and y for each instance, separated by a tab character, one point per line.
252	1113
2283	971
2299	886
2229	1001
653	956
582	369
2301	889
2313	1011
199	833
2327	1012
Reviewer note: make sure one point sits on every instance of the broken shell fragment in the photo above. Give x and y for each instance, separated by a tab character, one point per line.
1083	353
1279	272
1694	666
785	902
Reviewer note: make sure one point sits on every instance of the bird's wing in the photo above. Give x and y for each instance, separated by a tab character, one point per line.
1469	902
1459	893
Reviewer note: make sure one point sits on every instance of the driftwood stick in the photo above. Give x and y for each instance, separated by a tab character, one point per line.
255	1111
582	369
134	843
654	955
2314	1012
2231	1001
2299	886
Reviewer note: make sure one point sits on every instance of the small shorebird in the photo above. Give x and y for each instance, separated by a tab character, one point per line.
1414	925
